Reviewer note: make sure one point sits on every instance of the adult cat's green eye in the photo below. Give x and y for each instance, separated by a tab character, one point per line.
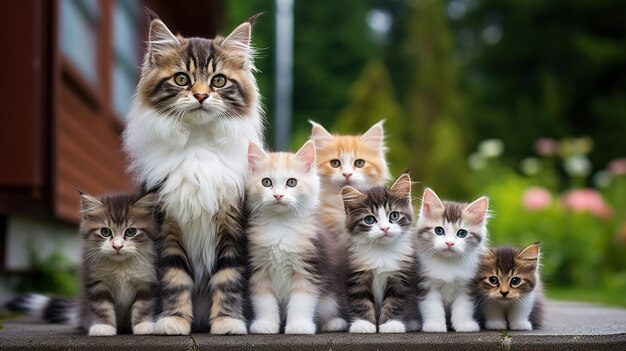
291	182
369	220
394	216
130	232
462	233
335	163
266	182
439	231
515	281
105	232
181	79
359	163
493	280
218	81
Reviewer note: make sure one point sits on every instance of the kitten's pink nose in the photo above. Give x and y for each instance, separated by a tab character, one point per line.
449	244
117	246
278	196
385	230
347	175
201	97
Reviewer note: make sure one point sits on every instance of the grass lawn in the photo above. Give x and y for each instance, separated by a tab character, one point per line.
606	296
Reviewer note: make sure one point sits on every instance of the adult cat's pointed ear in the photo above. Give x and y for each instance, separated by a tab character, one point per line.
319	133
402	186
307	154
148	201
375	135
477	210
530	255
430	202
352	198
160	38
238	41
255	155
89	203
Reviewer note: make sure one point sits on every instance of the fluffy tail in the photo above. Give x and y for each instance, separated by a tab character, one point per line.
50	309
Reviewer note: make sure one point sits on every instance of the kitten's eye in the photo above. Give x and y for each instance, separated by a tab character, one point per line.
105	232
369	220
493	280
335	163
462	233
515	281
291	182
359	163
394	216
439	231
130	232
181	79
218	81
266	182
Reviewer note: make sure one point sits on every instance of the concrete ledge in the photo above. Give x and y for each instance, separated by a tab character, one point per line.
571	326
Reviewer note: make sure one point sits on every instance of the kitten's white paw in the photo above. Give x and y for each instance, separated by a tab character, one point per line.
264	327
172	326
143	328
102	330
495	324
335	325
466	326
392	326
434	327
300	327
228	325
362	327
413	325
521	325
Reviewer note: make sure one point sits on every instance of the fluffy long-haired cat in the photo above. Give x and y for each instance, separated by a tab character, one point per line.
381	257
119	279
195	112
354	160
290	277
509	289
450	239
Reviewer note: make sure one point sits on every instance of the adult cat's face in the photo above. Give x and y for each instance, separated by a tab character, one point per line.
196	80
118	226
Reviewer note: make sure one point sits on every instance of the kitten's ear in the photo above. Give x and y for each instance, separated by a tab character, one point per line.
319	133
255	155
238	41
89	203
530	254
431	202
148	201
402	186
161	38
375	135
477	210
352	198
307	154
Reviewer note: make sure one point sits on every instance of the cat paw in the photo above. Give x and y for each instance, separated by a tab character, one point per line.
413	325
264	327
143	328
172	326
495	324
434	327
466	326
228	325
335	325
521	325
102	330
300	327
392	326
362	327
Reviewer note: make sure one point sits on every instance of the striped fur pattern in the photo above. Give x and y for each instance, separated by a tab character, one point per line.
508	289
450	238
195	112
381	259
288	280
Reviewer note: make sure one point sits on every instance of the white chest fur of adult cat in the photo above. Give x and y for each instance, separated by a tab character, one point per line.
451	238
195	112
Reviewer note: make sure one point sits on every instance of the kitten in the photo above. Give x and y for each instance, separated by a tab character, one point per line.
358	161
285	244
195	112
118	234
508	288
450	238
381	256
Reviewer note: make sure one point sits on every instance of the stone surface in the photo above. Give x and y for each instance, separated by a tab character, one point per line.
570	326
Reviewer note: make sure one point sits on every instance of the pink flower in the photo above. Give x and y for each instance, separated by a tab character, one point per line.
587	200
536	198
617	166
546	146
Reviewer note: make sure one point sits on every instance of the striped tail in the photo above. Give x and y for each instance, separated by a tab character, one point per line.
49	309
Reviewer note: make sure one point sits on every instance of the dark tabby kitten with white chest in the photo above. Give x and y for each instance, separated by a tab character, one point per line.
381	257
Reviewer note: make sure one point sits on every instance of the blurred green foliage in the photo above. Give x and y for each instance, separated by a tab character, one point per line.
54	275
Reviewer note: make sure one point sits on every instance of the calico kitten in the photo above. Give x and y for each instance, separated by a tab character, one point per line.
195	112
285	244
450	238
508	288
118	234
381	256
354	160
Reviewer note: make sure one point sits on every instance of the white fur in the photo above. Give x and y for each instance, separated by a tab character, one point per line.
228	325
172	326
392	326
102	330
143	328
361	326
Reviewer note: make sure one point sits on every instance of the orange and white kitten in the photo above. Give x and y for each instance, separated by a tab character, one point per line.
354	160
